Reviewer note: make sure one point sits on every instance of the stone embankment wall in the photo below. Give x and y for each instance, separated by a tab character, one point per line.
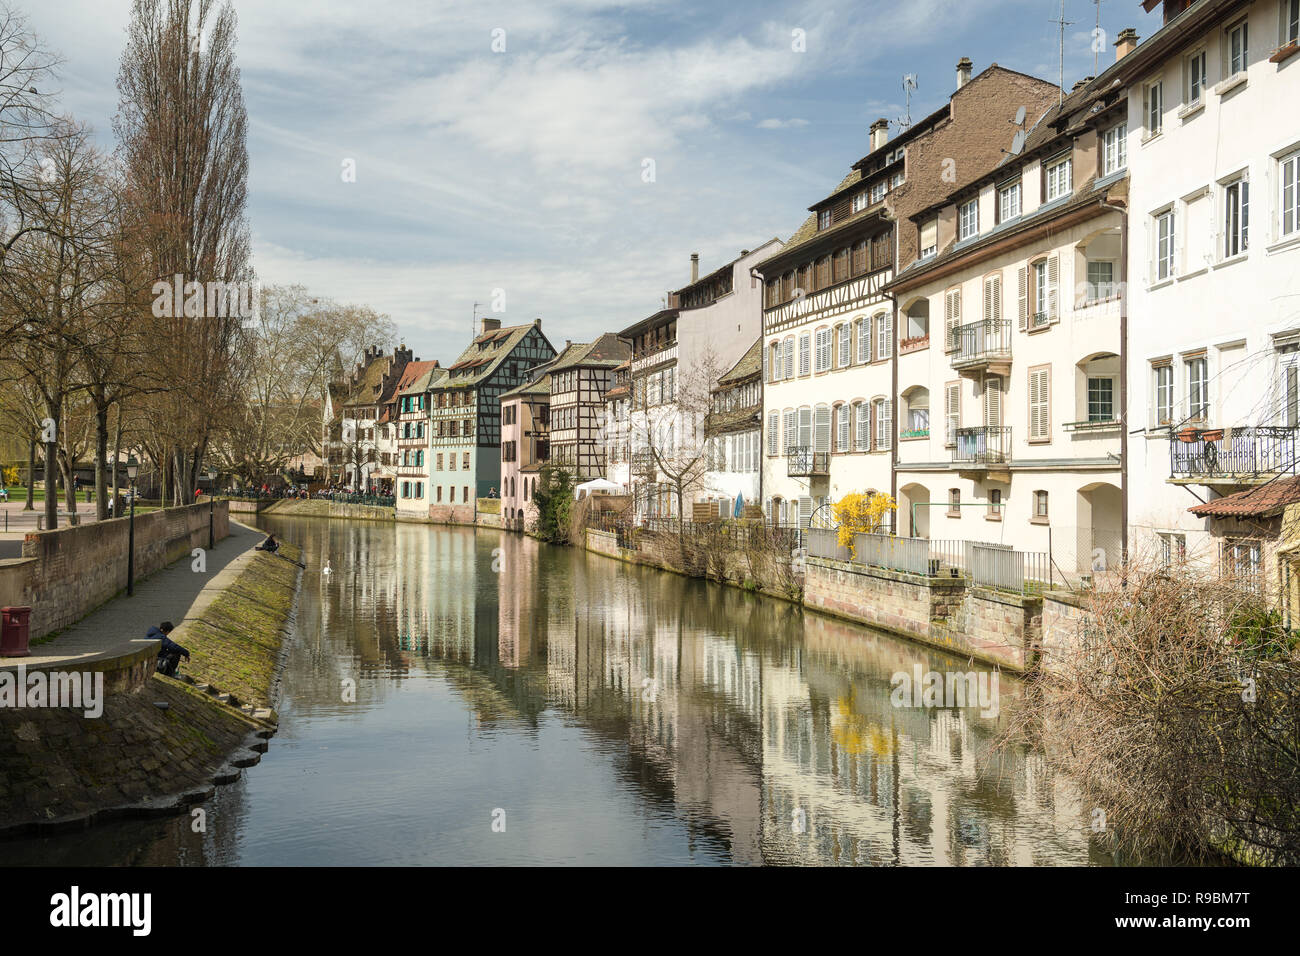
161	744
313	508
63	575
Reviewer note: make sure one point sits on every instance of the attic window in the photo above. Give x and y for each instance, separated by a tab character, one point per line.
824	219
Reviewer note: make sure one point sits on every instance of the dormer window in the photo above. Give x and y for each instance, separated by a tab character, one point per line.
878	191
860	201
1009	201
1059	178
824	219
968	219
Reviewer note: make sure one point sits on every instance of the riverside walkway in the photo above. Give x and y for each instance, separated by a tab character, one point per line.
117	628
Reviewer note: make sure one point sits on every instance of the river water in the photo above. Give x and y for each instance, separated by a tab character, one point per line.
455	696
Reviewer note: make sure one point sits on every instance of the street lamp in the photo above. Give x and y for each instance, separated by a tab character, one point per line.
132	469
212	505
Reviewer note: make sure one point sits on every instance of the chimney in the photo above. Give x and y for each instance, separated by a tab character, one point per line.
695	266
1082	83
1125	43
538	322
490	325
963	71
879	134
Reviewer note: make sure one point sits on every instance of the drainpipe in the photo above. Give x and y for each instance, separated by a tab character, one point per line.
1123	376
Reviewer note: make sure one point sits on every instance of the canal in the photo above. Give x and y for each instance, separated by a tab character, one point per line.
453	696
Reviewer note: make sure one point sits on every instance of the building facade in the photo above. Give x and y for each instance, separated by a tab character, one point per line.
678	355
465	416
525	448
579	379
1011	411
1213	258
831	332
735	434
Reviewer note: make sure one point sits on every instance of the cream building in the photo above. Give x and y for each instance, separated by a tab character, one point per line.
1214	267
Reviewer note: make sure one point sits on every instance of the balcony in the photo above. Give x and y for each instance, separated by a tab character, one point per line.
1231	456
644	464
982	447
981	347
803	462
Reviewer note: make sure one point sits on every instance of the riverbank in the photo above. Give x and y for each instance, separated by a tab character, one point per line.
160	744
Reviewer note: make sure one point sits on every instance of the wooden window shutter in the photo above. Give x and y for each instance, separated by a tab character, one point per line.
1023	274
993	299
823	430
951	412
788	372
1053	274
1040	423
993	402
951	318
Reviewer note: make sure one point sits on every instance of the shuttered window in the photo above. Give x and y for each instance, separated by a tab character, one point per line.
862	411
1040	403
788	371
864	341
791	438
951	412
992	298
860	258
805	354
773	432
993	402
805	427
884	335
824	354
823	422
1022	281
951	318
884	424
842	430
805	511
846	345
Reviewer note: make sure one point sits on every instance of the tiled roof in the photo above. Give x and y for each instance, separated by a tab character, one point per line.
365	391
477	363
608	351
750	364
1267	499
423	381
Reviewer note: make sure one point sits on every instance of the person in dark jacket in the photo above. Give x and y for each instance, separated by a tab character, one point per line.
270	544
170	654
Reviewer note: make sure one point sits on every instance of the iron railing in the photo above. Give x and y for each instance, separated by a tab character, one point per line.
802	461
1009	570
983	445
1232	452
824	543
892	552
988	340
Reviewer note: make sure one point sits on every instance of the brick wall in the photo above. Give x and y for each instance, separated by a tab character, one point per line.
997	626
64	575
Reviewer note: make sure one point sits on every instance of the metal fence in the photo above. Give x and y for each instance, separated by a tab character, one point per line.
824	543
1009	570
889	551
1222	452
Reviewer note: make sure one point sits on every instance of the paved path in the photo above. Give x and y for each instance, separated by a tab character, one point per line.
118	627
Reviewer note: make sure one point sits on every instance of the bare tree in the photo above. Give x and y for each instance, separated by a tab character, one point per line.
181	126
668	431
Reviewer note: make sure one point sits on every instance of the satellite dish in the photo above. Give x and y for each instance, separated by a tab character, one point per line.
1018	142
1020	116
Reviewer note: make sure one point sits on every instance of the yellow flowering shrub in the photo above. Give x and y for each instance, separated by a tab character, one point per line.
858	513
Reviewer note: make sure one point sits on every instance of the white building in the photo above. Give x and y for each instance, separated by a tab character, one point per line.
1011	424
735	432
678	355
1213	264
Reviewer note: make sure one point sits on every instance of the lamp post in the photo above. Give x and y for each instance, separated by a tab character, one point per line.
212	506
132	469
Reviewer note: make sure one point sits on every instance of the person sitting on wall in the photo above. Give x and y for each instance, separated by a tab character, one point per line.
170	654
270	544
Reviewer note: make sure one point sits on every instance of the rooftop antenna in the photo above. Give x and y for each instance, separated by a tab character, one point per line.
909	84
1062	23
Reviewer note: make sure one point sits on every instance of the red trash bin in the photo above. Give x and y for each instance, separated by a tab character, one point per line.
15	631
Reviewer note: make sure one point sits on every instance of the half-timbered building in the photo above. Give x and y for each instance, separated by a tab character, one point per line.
465	415
579	378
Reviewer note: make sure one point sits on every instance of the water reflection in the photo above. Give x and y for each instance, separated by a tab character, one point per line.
617	714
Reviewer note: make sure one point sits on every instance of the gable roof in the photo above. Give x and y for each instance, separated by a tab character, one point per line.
485	354
608	351
750	364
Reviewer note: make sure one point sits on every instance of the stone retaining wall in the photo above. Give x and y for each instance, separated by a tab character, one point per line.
64	575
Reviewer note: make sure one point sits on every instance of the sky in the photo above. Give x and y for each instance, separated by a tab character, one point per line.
562	159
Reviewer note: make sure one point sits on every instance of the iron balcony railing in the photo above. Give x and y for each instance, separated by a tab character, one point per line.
803	462
1232	452
978	343
983	445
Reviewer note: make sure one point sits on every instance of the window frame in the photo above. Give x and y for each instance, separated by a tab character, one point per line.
1114	149
1006	192
1234	203
968	225
1063	183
